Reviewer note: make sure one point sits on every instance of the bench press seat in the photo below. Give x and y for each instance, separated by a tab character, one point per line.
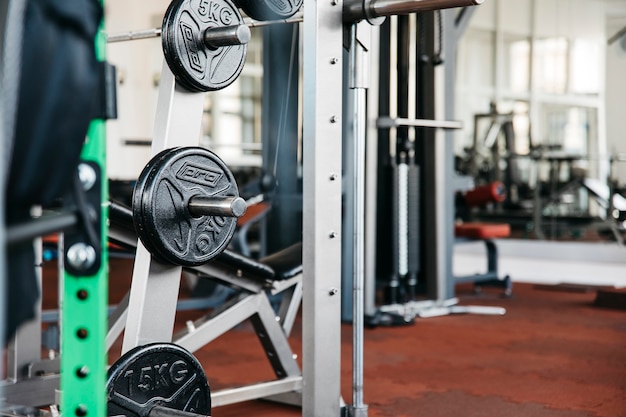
287	263
485	232
476	230
279	266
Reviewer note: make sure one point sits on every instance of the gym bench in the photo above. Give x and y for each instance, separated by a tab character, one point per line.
256	282
485	232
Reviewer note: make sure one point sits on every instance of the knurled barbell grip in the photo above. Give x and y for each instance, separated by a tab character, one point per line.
217	206
226	35
160	411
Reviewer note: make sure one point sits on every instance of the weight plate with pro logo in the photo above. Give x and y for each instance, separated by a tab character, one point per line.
161	200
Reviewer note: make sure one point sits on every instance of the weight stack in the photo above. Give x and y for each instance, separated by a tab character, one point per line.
399	230
413	216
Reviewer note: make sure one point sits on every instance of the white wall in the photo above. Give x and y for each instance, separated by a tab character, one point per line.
616	96
138	63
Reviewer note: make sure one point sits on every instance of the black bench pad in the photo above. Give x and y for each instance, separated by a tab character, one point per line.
248	266
287	262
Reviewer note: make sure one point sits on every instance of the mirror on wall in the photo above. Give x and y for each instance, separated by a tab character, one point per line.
533	96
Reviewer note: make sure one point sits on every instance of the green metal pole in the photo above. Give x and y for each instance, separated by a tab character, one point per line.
84	302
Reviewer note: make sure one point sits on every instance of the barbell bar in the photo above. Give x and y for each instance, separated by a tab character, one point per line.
213	37
217	206
353	11
226	35
356	10
205	44
156	32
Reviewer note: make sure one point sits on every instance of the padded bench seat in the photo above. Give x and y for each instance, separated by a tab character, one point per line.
485	232
278	266
475	230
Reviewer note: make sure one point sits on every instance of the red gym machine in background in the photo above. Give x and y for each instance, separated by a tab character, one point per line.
469	231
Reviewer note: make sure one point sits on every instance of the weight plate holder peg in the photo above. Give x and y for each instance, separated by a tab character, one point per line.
185	206
269	9
157	380
204	43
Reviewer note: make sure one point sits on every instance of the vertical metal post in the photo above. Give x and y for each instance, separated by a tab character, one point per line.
178	121
358	66
434	158
384	195
455	23
85	300
322	74
371	180
348	221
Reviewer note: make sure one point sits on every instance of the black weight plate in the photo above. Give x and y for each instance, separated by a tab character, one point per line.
269	9
195	66
157	374
143	208
170	231
153	237
138	192
142	226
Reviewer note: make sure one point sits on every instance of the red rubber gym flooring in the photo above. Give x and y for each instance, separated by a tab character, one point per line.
553	354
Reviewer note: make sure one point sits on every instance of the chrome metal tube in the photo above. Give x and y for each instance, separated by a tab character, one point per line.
388	122
134	35
226	35
296	18
217	206
359	126
156	32
40	226
403	219
355	10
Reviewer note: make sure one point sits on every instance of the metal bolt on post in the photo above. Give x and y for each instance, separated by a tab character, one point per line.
81	256
87	176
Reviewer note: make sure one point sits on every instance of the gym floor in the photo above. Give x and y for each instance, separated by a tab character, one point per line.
553	354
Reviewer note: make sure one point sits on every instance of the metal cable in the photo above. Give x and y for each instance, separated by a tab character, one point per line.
283	111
